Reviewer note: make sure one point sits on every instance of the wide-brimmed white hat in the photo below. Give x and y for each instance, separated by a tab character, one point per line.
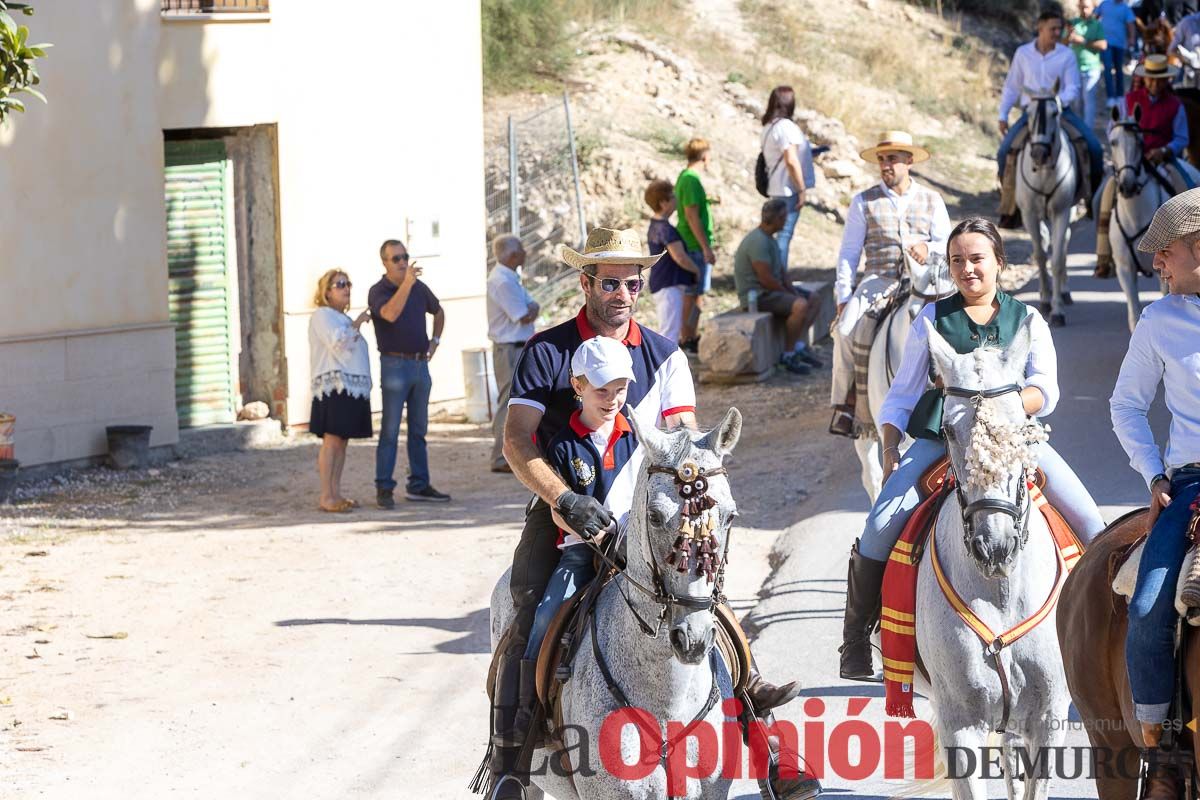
1156	66
896	140
608	246
602	360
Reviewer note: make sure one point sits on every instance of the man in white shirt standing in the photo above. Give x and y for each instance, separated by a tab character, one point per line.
1164	347
888	220
511	311
1043	65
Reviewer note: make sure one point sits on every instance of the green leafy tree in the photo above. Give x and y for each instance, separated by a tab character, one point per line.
18	68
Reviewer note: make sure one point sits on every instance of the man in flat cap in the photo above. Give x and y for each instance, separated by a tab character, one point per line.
1164	347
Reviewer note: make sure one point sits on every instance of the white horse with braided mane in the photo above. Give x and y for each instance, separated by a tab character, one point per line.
1047	182
672	676
996	552
926	283
1139	194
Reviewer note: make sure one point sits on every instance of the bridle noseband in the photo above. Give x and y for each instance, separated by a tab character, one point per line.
1019	511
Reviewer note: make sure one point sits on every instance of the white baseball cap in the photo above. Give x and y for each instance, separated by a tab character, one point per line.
602	360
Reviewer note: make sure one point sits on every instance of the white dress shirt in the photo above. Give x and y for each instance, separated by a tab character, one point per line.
1187	34
507	302
854	236
1164	347
1036	72
1041	370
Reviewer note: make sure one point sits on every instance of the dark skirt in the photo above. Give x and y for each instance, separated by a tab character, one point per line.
342	415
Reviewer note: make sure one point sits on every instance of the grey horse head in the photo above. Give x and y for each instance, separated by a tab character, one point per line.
929	280
1128	147
657	518
1045	110
991	444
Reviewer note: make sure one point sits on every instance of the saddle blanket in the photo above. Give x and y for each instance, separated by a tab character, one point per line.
1126	579
898	621
862	338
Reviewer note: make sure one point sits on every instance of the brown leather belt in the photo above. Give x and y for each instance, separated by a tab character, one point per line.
409	356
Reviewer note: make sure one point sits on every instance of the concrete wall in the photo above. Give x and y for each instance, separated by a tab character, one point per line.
379	120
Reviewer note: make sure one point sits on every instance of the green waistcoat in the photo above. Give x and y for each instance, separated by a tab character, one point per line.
964	335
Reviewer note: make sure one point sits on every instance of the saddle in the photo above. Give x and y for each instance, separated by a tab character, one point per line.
862	339
933	479
1123	571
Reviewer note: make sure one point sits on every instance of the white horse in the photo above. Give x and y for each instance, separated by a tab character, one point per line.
927	282
673	675
1139	194
1047	181
996	551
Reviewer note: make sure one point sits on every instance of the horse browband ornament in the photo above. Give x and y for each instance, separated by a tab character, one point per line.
696	543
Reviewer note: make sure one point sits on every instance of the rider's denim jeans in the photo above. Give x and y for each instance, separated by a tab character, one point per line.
784	238
1150	642
1089	95
1113	59
1095	151
899	498
573	571
405	383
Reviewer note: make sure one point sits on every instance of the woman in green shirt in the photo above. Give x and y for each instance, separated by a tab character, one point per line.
696	229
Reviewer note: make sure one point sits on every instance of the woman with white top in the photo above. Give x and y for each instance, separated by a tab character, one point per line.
341	383
979	315
786	152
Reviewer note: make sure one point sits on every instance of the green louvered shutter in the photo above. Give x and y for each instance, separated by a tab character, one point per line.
199	292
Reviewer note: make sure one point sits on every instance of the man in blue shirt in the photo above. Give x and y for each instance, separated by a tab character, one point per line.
398	304
1120	31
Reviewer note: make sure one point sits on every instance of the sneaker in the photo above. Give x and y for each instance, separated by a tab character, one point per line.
806	356
384	499
691	346
1010	222
792	364
426	495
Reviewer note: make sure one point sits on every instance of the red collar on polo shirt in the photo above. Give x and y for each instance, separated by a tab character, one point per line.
633	338
619	429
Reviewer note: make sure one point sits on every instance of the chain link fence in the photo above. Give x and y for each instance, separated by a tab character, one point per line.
532	189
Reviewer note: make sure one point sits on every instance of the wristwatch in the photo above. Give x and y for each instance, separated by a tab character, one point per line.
1162	476
436	340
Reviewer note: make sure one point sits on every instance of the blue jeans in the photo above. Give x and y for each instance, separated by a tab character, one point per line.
1150	642
573	571
1113	59
1089	92
899	498
405	382
1095	151
784	237
703	280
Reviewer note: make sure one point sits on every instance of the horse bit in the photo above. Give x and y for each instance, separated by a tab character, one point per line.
1019	511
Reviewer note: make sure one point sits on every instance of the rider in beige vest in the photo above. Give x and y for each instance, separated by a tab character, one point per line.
894	217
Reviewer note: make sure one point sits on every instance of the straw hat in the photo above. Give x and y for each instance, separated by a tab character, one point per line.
1156	66
1174	219
608	246
896	140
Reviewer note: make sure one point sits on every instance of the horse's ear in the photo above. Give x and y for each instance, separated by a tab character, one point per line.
657	443
1115	113
723	438
1137	113
940	351
1017	353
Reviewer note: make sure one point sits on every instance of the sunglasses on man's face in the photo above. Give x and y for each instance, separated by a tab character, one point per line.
610	285
342	284
398	259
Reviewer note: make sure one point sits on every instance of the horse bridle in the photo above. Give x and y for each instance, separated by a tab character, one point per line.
693	490
1139	161
1019	511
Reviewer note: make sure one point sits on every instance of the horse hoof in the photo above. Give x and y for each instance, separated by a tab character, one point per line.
1044	308
1066	298
1058	320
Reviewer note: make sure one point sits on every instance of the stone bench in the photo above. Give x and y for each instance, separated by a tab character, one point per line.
744	347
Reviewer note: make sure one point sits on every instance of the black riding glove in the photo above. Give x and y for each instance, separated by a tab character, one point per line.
583	513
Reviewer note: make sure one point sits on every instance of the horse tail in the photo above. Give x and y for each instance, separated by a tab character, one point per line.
939	782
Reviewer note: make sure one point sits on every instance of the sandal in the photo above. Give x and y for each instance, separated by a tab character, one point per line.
340	508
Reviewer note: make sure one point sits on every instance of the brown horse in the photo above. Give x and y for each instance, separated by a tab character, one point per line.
1091	630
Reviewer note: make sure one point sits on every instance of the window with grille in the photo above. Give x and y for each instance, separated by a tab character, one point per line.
215	6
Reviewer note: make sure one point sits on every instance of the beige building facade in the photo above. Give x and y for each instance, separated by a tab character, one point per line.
165	217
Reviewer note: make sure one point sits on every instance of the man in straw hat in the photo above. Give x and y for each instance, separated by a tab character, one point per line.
897	217
1165	346
1160	115
542	401
1045	64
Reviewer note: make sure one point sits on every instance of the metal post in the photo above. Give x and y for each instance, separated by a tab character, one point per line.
575	172
514	201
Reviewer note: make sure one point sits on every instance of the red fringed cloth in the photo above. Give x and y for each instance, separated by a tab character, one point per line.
898	618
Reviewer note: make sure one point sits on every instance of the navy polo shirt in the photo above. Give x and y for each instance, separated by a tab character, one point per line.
662	382
408	333
578	461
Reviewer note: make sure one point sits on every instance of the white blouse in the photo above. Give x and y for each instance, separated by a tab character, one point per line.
913	377
337	355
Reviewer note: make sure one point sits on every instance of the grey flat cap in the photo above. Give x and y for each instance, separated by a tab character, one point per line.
1174	219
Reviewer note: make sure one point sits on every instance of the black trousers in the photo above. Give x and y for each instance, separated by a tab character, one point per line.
533	563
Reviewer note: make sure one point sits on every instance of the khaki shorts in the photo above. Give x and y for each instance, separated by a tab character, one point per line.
779	303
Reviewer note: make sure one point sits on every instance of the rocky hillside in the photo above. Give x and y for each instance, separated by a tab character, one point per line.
638	93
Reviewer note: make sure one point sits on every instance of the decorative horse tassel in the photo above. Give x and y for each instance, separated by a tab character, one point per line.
675	549
684	564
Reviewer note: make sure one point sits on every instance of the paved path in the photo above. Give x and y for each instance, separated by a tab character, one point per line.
805	597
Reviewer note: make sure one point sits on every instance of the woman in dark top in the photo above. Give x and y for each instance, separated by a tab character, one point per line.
675	271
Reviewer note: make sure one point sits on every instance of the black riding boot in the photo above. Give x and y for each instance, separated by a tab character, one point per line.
507	739
803	786
864	580
526	702
766	695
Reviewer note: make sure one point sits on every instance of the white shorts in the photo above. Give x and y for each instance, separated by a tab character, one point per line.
669	302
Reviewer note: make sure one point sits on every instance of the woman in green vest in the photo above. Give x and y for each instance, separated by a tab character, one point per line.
980	315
